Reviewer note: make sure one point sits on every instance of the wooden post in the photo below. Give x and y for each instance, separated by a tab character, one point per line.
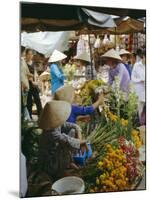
115	38
90	56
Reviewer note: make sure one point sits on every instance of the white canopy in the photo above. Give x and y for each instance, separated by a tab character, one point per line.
46	42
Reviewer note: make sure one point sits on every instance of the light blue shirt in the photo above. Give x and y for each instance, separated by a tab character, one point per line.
57	77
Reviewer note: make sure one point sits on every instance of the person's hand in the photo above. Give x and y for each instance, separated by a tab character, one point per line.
106	90
79	135
83	146
101	99
34	84
82	142
30	76
85	118
24	87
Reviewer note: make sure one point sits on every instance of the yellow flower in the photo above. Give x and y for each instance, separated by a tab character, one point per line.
100	163
134	132
108	146
112	116
124	122
103	176
108	183
136	138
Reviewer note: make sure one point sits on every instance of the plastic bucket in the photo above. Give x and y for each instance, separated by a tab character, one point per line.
69	185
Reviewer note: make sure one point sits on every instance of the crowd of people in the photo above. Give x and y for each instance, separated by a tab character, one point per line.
61	134
29	86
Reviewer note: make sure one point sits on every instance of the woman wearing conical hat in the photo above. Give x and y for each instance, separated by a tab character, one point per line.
84	60
56	145
57	75
124	54
117	68
66	93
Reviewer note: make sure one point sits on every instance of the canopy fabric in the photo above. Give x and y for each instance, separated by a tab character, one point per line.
128	26
46	42
86	18
123	27
52	17
99	19
56	11
35	25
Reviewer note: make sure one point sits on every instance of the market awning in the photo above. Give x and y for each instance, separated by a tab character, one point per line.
128	26
46	42
123	27
52	17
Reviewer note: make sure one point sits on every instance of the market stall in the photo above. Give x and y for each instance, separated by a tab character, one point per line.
114	158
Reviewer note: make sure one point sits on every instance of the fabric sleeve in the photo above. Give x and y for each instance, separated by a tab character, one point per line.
121	72
83	110
55	70
111	79
65	139
68	126
137	76
112	74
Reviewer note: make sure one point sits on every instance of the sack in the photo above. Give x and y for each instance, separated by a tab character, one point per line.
97	43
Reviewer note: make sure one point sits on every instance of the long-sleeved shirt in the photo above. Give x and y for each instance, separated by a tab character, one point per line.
55	149
138	80
90	74
128	68
24	73
123	74
57	77
79	110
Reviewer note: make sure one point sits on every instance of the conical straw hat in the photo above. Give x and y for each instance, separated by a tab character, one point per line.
112	54
45	76
123	51
65	93
57	56
83	56
54	114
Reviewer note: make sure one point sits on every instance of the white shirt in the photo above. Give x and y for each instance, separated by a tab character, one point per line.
138	80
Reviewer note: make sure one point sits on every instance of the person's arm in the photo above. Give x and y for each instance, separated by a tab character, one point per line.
99	102
67	126
29	75
88	110
57	72
85	118
65	139
83	110
110	80
112	73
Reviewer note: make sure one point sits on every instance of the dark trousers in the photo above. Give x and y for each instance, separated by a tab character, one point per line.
34	94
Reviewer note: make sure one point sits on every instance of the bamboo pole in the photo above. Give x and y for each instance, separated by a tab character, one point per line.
115	38
90	55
